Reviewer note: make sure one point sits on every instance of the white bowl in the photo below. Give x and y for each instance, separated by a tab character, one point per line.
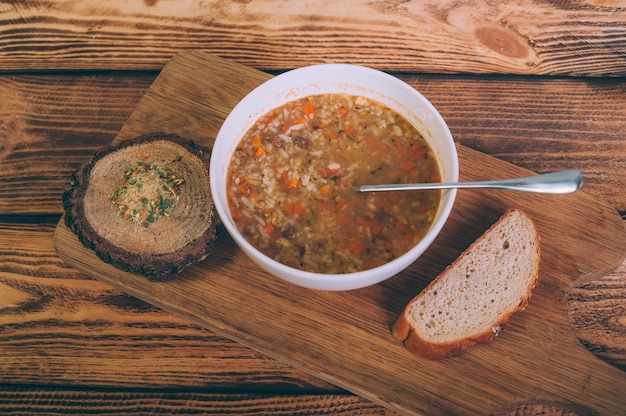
334	78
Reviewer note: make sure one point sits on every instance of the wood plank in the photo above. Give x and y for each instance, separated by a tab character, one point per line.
51	124
347	324
135	402
34	292
469	36
26	293
541	124
596	312
30	297
138	402
59	324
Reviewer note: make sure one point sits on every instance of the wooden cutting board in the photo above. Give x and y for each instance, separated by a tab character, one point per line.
344	337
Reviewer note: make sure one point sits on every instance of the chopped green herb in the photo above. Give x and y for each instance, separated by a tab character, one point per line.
147	192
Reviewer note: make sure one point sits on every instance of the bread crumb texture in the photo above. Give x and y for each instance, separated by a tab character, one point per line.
474	297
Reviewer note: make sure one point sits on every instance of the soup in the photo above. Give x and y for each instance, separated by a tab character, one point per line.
293	183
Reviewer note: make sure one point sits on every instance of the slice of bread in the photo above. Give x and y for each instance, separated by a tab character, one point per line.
473	298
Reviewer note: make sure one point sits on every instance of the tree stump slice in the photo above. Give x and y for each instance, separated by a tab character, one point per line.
145	205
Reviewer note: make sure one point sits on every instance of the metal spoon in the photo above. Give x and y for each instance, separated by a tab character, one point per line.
562	182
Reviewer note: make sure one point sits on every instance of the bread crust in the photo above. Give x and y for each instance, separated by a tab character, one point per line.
403	330
155	266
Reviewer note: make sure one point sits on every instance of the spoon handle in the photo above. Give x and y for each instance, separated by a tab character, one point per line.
562	182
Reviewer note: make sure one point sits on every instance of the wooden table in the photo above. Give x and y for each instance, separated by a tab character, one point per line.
538	85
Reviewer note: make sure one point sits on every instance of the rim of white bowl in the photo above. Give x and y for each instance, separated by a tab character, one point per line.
232	124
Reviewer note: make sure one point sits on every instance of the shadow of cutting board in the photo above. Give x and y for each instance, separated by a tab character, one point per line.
344	337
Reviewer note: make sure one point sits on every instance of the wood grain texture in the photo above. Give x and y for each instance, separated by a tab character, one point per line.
597	311
72	72
51	124
106	324
60	325
357	322
586	37
138	402
70	349
64	401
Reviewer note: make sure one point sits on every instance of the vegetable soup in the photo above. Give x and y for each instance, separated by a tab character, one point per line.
293	184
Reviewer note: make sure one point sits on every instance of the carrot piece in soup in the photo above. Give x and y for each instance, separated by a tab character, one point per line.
243	188
356	247
257	145
343	220
308	109
375	228
340	204
293	183
267	118
298	209
408	165
417	151
362	221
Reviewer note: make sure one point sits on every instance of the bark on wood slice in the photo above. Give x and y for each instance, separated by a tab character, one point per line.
145	205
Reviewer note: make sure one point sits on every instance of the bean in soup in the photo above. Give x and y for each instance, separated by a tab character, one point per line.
293	184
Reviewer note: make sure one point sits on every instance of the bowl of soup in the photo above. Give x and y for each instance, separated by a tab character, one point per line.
288	161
